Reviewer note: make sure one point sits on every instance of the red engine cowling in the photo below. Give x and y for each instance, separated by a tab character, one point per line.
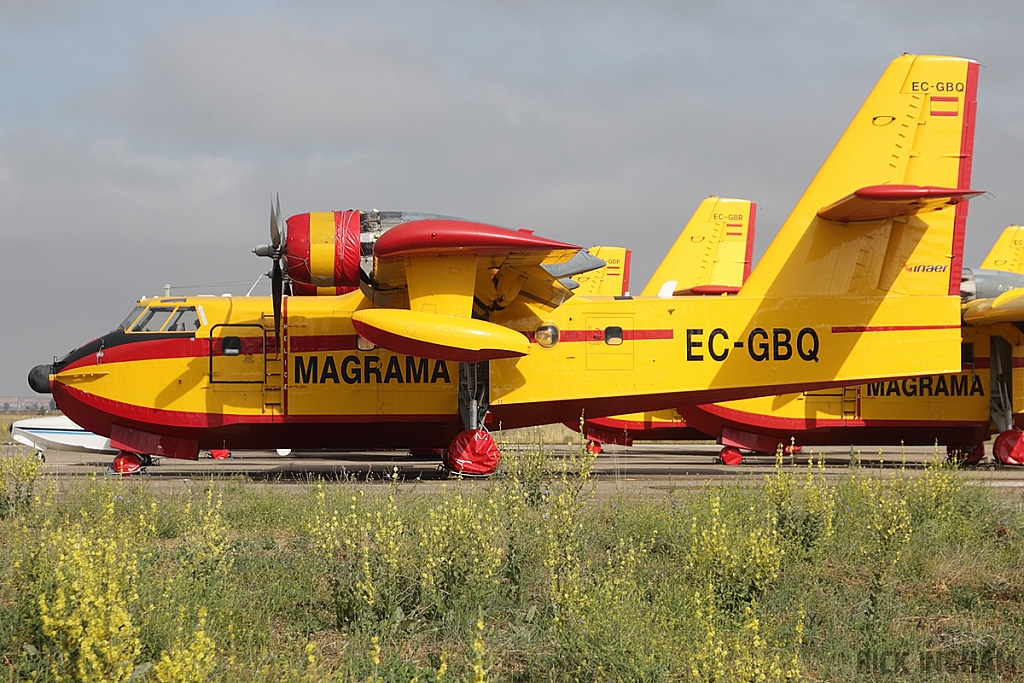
323	250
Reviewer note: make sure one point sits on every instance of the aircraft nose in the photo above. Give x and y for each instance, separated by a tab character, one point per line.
39	378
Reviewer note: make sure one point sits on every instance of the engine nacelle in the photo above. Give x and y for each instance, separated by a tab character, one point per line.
983	283
323	249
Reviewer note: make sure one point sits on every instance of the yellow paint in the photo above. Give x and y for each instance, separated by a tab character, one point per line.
789	324
711	249
322	246
1008	252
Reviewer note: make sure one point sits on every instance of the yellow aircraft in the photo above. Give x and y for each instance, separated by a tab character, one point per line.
957	410
461	324
711	257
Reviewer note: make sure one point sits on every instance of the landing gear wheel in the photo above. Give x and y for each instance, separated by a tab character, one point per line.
473	453
594	447
730	455
146	459
965	455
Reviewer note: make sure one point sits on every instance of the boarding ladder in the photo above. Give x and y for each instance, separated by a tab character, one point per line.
273	366
851	402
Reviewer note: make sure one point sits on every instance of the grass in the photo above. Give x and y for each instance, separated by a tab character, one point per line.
885	575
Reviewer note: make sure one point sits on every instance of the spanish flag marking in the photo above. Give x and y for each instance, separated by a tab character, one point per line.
944	106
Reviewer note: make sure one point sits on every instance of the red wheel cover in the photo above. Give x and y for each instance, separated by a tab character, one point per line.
126	464
731	455
1009	447
473	452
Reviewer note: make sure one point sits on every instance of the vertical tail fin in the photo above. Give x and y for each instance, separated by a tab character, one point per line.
886	212
611	279
713	252
1008	252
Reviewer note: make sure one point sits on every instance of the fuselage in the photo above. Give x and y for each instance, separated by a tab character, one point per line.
208	369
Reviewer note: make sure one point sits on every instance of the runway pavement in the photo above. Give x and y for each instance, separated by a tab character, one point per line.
643	467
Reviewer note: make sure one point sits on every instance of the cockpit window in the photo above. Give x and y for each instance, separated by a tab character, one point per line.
185	319
153	319
131	318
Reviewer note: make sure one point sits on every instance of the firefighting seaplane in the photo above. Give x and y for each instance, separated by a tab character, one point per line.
958	411
458	327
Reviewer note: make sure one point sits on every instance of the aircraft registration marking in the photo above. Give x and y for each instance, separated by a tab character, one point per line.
941	86
780	344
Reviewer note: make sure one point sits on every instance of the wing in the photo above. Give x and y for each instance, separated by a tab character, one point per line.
452	274
713	252
1005	308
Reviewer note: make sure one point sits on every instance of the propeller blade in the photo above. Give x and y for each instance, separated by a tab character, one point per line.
275	225
276	289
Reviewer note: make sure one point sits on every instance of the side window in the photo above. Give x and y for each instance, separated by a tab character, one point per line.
131	318
185	319
153	319
613	336
231	346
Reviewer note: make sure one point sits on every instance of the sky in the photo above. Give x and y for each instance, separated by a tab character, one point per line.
141	142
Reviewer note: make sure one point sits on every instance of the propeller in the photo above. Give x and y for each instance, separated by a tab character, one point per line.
275	250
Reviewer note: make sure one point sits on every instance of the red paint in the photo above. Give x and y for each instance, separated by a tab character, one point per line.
296	255
765	432
749	257
964	178
714	290
346	248
128	439
219	430
598	335
625	272
891	328
445	236
908	193
326	342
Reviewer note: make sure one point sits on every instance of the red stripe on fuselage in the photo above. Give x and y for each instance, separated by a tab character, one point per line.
598	335
890	328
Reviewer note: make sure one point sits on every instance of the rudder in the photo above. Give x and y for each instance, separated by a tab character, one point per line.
886	212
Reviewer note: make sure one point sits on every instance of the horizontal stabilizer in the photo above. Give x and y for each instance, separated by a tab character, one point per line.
441	337
881	202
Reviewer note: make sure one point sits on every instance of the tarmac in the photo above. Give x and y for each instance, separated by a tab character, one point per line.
650	468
